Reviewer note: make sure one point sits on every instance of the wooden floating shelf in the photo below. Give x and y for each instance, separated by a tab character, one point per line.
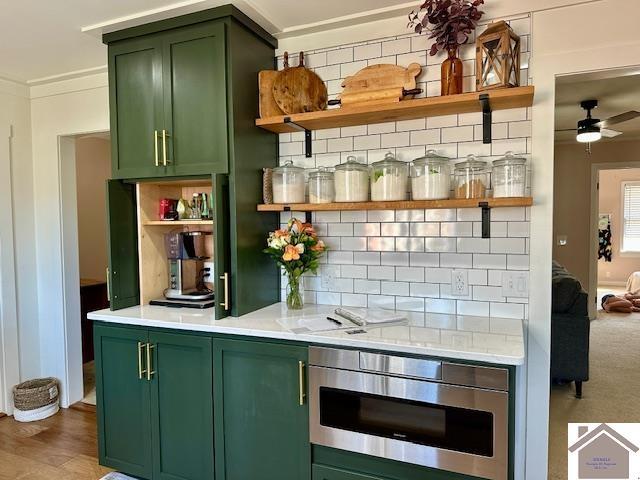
400	205
178	222
499	99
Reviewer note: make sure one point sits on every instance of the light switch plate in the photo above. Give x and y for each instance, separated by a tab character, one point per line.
459	283
515	284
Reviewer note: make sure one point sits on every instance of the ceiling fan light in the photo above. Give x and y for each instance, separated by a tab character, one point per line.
588	131
588	137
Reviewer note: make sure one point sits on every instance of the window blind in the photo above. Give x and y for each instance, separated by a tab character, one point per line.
631	217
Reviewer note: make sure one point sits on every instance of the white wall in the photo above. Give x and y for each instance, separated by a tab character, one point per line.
19	297
593	37
62	109
93	167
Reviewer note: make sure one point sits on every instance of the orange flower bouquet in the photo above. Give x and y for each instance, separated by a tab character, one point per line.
296	249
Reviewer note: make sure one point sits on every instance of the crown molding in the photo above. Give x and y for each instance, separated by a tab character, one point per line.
70	85
13	87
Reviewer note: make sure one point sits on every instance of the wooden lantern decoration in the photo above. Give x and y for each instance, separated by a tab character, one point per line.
497	57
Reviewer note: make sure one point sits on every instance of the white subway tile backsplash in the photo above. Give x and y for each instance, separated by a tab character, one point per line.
404	258
363	52
469	307
394	288
367	258
394	258
353	271
382	244
395	47
381	273
456	260
367	286
418	259
408	244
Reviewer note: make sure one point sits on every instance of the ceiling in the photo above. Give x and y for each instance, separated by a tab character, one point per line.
615	95
40	39
45	40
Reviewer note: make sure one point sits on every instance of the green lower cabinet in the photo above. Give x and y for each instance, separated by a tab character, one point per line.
261	412
182	406
320	472
155	403
123	401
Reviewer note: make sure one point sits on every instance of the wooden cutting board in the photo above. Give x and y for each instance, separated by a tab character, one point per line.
298	89
267	105
382	83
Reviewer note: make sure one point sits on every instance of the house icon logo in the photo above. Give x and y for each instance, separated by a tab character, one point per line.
604	451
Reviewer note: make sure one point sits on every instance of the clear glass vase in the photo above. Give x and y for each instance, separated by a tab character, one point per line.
295	291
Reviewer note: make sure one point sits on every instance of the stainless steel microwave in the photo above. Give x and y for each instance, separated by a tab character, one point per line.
433	413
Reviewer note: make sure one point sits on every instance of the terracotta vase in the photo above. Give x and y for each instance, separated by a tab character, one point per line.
451	74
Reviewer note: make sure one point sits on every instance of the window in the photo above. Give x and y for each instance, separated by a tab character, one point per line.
630	217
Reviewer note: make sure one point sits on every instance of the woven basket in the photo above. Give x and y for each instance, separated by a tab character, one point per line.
34	394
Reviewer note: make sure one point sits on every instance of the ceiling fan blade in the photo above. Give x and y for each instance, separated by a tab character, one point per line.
608	133
623	117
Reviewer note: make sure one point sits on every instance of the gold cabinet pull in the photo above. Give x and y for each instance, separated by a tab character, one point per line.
301	392
164	147
225	279
150	371
141	369
155	147
108	286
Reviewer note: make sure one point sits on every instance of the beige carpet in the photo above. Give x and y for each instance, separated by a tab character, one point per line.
612	393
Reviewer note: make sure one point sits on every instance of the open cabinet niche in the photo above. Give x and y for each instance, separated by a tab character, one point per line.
152	256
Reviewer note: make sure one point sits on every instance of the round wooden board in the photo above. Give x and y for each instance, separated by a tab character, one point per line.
299	90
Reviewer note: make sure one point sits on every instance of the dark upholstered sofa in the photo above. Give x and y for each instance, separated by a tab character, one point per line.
569	329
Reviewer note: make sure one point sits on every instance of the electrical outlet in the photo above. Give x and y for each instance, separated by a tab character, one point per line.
515	284
328	276
460	283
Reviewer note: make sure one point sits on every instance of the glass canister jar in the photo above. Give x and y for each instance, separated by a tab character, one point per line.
351	181
430	177
321	188
288	184
389	178
471	178
509	176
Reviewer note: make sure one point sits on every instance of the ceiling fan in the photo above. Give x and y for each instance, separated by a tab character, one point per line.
593	129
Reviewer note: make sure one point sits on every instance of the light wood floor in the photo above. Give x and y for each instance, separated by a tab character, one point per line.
62	447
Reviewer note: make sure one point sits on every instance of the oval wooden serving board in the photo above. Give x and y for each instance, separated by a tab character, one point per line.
299	90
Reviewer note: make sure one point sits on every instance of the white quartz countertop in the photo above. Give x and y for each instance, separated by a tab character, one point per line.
482	339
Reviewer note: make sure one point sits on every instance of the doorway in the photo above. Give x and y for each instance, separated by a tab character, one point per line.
589	193
85	166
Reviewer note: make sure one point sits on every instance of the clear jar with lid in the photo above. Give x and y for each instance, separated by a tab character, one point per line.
288	184
389	179
321	188
430	177
351	181
509	176
471	178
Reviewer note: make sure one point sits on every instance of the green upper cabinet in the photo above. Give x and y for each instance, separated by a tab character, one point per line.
168	103
195	108
261	412
136	107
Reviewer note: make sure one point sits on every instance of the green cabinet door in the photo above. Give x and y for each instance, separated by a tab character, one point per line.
262	430
181	406
122	237
222	248
135	100
321	472
195	100
123	402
